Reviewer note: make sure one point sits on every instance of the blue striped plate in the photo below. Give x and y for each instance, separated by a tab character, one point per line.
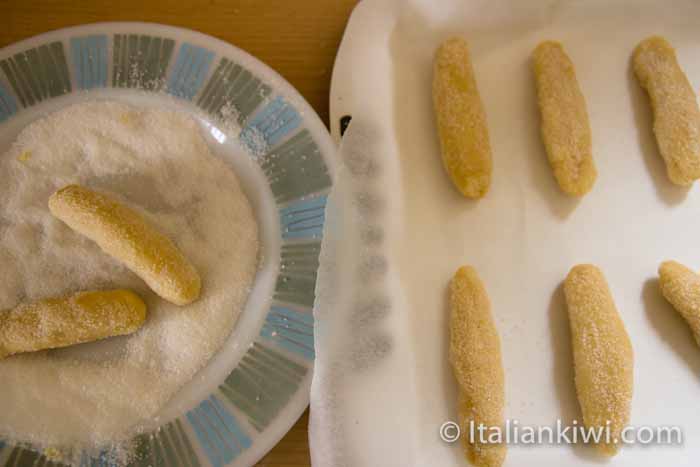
255	388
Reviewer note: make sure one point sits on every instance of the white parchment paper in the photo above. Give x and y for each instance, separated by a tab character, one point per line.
523	237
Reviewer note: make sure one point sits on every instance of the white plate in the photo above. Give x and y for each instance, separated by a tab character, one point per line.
256	387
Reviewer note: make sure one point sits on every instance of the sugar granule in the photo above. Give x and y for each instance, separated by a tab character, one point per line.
157	163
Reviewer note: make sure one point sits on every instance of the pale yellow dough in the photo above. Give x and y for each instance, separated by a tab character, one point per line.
675	107
75	319
461	120
681	287
565	129
124	234
603	357
475	355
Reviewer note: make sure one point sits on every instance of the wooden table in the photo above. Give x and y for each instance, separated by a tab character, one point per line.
299	39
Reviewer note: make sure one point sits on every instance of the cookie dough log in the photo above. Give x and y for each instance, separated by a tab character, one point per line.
675	108
681	287
128	237
75	319
475	355
461	121
565	129
603	358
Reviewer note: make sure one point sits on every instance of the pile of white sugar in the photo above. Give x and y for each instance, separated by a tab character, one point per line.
156	162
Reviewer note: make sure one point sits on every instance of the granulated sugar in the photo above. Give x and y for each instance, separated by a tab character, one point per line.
157	163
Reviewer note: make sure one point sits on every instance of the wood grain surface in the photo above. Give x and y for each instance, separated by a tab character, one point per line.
298	38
